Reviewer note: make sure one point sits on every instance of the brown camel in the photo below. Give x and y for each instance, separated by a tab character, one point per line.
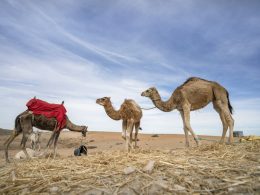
193	94
131	115
25	122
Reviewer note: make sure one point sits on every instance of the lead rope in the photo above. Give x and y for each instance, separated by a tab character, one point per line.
151	107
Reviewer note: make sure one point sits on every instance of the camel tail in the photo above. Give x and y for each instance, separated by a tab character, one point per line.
229	105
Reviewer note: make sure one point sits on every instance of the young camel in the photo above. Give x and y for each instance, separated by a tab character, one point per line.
35	140
25	122
131	115
194	94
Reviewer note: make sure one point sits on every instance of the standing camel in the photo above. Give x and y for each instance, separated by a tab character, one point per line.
193	94
131	115
25	122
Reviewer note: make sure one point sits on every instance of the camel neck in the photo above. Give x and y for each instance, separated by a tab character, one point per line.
111	112
165	106
72	127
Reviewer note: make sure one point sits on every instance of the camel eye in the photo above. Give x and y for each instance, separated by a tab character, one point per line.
103	99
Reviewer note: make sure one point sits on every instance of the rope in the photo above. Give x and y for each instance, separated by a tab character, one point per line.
149	108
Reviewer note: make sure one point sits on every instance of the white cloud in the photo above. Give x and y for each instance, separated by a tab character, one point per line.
41	55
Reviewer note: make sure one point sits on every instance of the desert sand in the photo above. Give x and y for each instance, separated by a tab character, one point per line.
97	141
161	165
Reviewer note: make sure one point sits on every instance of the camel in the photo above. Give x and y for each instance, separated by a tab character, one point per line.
35	140
193	94
25	122
130	113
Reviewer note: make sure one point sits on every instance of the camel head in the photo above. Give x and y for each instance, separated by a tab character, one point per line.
149	92
103	101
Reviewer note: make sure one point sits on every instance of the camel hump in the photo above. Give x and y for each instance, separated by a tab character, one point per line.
194	79
132	104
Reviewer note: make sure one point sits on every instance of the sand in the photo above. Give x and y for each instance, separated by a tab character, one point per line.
161	165
102	141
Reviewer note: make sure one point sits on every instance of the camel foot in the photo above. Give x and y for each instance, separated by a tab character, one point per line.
221	142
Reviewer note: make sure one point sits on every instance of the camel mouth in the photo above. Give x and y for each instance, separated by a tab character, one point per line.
143	94
100	103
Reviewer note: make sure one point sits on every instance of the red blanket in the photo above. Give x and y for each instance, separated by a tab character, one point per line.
57	111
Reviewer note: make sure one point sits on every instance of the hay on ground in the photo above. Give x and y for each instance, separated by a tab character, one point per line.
206	169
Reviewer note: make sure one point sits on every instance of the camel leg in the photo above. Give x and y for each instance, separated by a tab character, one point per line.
124	127
51	139
130	125
26	125
23	143
8	142
32	145
57	134
230	122
137	126
223	120
50	142
186	114
228	118
187	144
39	146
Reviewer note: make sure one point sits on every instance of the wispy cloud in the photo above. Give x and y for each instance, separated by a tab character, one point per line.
80	51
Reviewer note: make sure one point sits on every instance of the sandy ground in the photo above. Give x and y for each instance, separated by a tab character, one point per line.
211	168
103	141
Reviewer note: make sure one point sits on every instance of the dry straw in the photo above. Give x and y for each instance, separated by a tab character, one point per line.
208	169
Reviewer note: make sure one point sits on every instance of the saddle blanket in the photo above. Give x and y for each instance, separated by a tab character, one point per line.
57	111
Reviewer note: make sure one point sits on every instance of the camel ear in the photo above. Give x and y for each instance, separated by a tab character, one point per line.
108	98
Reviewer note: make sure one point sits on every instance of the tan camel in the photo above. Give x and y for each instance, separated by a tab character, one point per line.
131	115
194	94
25	122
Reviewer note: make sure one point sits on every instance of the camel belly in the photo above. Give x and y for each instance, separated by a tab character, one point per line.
199	97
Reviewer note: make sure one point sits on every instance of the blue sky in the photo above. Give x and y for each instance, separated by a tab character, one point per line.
79	51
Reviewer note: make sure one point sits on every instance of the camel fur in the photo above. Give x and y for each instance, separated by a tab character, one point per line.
130	113
35	140
194	94
25	122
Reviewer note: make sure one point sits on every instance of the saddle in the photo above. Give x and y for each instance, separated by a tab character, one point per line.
57	111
